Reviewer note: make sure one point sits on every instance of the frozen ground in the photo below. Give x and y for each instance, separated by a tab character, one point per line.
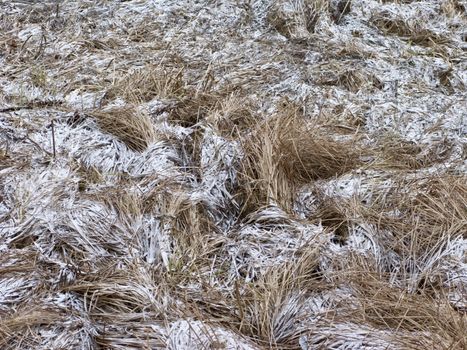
284	174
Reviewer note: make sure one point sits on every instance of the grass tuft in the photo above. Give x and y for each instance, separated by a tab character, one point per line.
413	32
286	151
127	124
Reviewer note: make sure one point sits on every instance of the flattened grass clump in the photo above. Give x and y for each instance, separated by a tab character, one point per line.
348	50
297	19
127	124
308	153
452	8
396	153
354	79
288	150
26	324
270	310
5	159
399	154
147	83
376	311
233	117
192	227
384	306
399	1
126	204
88	175
294	19
192	108
421	214
344	75
412	32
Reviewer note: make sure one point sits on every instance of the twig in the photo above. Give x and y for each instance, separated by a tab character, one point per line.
42	46
14	108
53	138
31	105
37	145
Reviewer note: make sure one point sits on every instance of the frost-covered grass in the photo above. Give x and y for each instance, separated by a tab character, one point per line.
284	174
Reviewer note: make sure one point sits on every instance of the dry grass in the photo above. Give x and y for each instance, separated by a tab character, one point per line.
196	237
130	126
21	326
453	8
413	32
415	219
286	151
308	153
399	1
230	216
147	83
233	117
349	50
333	216
193	108
435	204
270	311
346	75
390	315
298	19
394	153
383	306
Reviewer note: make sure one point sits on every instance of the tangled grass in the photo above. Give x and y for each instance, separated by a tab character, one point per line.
132	128
285	174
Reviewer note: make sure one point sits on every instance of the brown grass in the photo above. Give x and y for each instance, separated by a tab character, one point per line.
399	1
333	216
403	155
387	307
412	32
234	116
287	150
132	127
193	108
421	215
147	83
270	310
196	235
21	327
345	75
301	20
218	242
452	8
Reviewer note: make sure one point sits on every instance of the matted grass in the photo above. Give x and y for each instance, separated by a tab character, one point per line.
127	124
283	174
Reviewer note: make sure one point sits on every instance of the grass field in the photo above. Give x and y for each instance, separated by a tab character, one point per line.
236	174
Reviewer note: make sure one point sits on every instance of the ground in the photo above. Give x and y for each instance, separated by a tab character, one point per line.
286	174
